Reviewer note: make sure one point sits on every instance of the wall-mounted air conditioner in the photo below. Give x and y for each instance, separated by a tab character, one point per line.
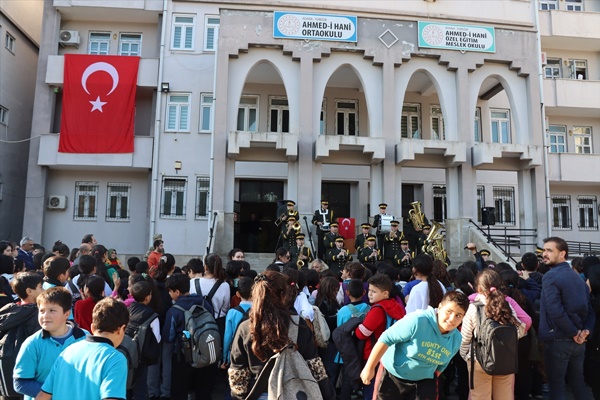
69	38
56	202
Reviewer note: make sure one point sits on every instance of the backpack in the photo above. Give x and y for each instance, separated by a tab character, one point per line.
220	320
495	345
147	345
286	375
201	339
13	332
320	328
245	316
74	292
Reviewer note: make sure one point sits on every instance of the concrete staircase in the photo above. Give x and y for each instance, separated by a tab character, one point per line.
259	261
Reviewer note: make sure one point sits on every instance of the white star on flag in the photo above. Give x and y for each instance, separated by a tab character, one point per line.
97	104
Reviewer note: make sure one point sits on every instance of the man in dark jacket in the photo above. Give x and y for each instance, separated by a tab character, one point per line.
566	320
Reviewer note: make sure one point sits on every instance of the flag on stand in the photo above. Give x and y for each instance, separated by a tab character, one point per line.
98	106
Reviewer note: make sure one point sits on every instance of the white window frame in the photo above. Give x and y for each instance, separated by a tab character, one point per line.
500	122
207	101
439	200
561	212
548	5
579	67
9	42
86	197
587	207
582	136
504	197
574	5
323	118
557	138
186	28
173	189
121	194
477	125
346	112
99	38
412	117
3	115
437	118
177	114
202	195
553	68
212	25
281	109
247	104
128	39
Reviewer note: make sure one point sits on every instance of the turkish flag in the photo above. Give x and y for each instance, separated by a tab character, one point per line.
98	104
346	227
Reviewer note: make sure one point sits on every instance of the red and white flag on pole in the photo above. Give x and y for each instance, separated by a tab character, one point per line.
98	106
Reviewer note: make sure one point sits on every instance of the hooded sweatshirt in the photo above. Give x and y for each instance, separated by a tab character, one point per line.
376	321
417	347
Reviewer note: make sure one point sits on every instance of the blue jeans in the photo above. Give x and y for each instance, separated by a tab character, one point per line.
564	360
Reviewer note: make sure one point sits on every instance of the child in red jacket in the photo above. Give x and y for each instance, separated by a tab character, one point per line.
378	319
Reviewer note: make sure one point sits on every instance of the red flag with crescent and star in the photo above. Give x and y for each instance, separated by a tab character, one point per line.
98	106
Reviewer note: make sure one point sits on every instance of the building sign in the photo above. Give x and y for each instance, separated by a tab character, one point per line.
457	37
288	25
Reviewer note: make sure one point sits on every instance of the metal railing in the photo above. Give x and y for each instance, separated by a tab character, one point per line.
583	248
508	240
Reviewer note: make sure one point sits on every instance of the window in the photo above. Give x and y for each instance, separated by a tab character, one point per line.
548	5
86	206
439	202
578	69
504	201
574	5
178	113
117	202
437	123
206	105
183	32
588	213
99	43
202	192
247	120
173	198
500	126
557	135
480	201
346	117
211	33
323	118
279	119
3	115
553	68
9	42
130	44
411	121
477	126
561	212
582	135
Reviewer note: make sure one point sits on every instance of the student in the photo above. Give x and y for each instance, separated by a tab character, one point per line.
416	350
353	270
105	367
93	291
235	317
40	350
429	291
55	274
87	266
378	318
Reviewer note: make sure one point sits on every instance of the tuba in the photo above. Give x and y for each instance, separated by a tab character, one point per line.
434	244
417	218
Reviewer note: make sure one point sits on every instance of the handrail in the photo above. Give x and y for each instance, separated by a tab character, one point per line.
212	230
584	248
508	238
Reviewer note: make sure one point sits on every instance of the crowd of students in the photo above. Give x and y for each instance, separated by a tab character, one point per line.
393	333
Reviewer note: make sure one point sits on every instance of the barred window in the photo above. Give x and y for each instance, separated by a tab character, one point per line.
86	205
588	213
561	212
439	202
504	201
202	193
411	121
117	201
173	197
480	201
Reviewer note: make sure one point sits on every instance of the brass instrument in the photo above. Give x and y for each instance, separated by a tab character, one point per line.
374	254
342	256
434	244
417	217
286	214
300	263
297	227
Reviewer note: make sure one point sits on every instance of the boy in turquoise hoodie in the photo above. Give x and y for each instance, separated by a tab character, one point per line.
416	350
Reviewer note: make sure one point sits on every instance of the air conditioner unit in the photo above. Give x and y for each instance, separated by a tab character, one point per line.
56	202
544	58
69	38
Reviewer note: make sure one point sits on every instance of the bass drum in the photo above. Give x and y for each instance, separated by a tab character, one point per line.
385	223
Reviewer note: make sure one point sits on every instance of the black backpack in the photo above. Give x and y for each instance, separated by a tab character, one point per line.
496	345
139	346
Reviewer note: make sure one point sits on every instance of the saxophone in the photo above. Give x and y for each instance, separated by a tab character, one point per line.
416	216
434	244
300	263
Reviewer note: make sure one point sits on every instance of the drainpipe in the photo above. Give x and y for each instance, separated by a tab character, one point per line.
212	215
157	122
543	117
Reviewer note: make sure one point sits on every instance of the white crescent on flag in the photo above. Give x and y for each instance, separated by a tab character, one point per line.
346	220
100	66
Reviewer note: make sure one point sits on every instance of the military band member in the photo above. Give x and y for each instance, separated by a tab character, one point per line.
377	225
288	233
337	257
422	241
361	238
369	253
300	252
413	234
322	218
405	257
391	246
329	239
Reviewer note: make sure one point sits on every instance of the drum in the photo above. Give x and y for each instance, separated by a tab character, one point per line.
385	223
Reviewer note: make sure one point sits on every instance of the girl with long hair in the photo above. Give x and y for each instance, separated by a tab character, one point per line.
329	307
489	286
429	291
213	284
266	333
103	267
